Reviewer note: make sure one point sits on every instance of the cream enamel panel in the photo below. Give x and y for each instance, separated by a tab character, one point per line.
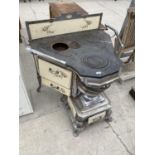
45	29
96	117
56	87
55	73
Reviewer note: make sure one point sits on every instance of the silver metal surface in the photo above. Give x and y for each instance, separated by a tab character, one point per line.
97	82
86	112
88	101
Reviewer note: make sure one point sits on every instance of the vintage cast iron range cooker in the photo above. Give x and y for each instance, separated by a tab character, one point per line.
90	57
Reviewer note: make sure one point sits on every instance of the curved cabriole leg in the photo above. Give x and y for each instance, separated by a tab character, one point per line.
39	81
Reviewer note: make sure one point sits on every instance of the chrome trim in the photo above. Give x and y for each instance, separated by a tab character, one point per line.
99	82
28	48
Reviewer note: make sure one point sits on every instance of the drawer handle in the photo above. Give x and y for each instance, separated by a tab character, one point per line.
57	73
58	88
50	70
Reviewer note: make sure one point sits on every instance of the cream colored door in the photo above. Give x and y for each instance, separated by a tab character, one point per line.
55	73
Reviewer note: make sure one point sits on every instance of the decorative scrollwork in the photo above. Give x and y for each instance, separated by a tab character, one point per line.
57	73
47	29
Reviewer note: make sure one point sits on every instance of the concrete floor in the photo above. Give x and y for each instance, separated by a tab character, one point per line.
48	130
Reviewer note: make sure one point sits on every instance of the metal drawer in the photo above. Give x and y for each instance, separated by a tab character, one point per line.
55	73
56	86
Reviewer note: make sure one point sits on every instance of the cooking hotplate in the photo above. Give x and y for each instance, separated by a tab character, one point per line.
89	53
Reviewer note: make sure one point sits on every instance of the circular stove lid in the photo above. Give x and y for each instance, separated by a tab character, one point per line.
95	61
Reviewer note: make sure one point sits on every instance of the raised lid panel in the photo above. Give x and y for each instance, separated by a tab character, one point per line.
47	28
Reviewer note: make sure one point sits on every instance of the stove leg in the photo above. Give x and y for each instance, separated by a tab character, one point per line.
108	117
39	81
76	130
77	127
63	99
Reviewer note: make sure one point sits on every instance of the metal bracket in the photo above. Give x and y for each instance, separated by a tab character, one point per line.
116	33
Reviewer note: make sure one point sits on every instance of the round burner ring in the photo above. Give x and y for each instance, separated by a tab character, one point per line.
95	61
60	46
